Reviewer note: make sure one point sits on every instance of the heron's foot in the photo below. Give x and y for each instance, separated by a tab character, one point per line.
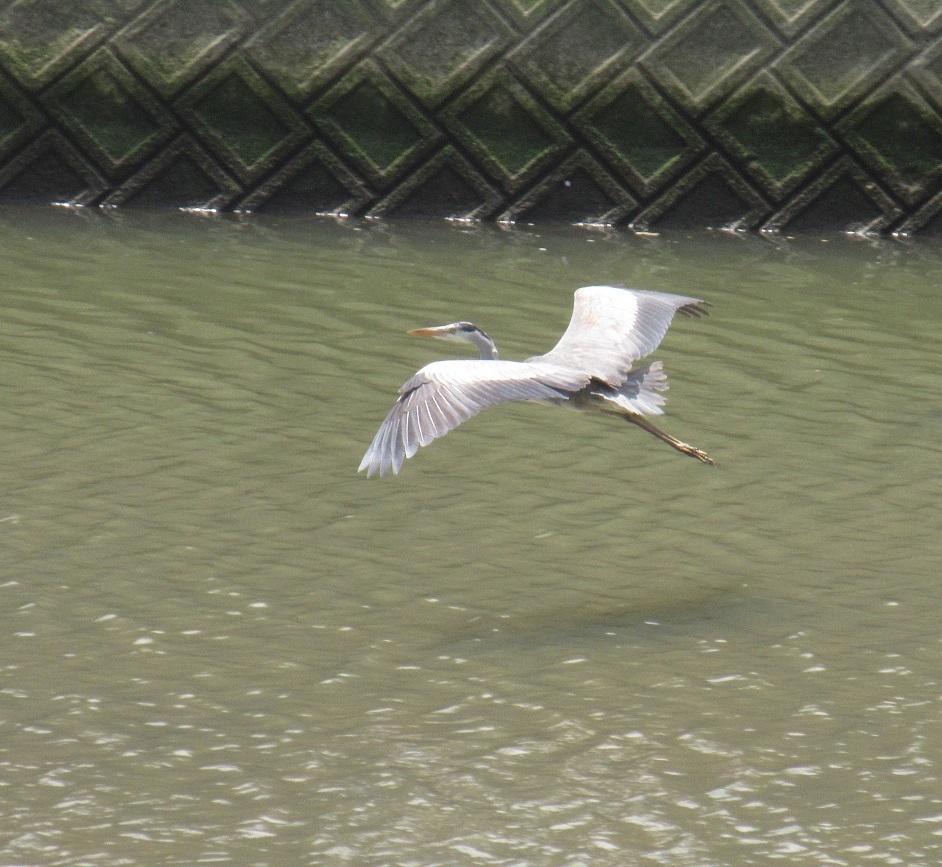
694	452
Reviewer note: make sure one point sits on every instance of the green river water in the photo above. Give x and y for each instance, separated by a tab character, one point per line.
551	640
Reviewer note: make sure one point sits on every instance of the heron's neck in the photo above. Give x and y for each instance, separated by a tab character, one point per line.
485	345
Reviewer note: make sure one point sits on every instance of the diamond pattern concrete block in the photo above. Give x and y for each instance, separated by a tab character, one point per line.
444	46
639	133
772	137
445	186
710	53
926	222
659	15
20	120
106	108
173	41
312	41
843	56
183	176
792	16
41	38
895	114
579	191
527	14
919	15
395	12
844	198
505	128
50	169
927	71
375	124
712	194
243	118
313	182
578	50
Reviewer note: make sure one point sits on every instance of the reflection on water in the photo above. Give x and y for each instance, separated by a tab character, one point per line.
551	639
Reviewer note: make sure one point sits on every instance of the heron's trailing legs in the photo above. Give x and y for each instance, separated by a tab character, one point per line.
683	447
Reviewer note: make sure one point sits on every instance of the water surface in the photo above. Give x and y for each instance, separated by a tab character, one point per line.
550	640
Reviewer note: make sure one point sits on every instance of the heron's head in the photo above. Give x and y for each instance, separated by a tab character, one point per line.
456	332
461	332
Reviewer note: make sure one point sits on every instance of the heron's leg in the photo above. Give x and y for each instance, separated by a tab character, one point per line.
683	447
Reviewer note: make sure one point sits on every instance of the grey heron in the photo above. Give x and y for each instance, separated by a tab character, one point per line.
589	369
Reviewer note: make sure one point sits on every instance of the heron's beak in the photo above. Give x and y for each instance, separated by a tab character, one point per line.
438	331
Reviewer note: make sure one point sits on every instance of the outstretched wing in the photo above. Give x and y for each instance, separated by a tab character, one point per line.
443	394
611	328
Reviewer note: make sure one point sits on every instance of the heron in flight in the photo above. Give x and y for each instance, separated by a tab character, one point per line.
589	369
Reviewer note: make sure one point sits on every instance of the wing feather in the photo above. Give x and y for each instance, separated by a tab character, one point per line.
611	328
445	393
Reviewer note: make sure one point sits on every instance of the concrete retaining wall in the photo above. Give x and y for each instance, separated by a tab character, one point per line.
776	114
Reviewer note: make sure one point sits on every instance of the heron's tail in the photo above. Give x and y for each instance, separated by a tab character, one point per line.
641	391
